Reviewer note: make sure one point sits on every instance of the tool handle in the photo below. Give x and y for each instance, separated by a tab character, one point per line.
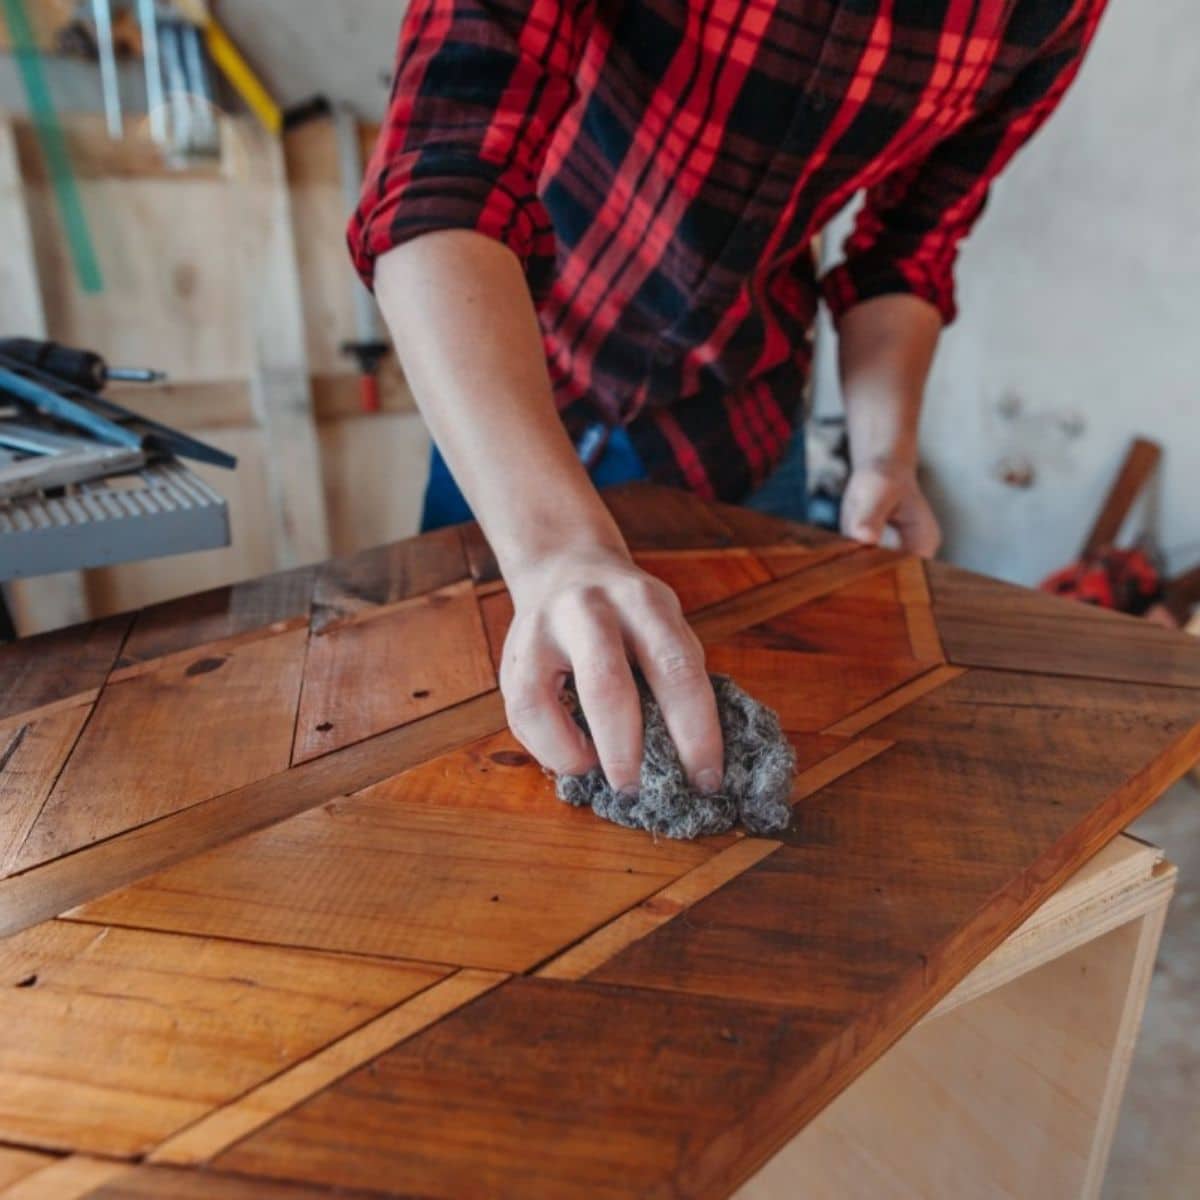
82	368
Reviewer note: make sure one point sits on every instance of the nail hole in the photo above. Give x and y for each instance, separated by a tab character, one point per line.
202	666
420	693
325	727
28	981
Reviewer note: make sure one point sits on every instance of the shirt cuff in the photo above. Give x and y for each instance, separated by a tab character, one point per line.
864	277
425	192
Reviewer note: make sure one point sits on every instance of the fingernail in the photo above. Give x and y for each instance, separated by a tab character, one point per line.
709	780
630	791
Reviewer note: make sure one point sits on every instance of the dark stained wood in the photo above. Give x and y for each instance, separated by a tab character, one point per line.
544	1088
986	623
170	1183
374	672
226	612
384	575
148	749
197	1022
660	518
51	889
31	757
750	528
52	667
1138	465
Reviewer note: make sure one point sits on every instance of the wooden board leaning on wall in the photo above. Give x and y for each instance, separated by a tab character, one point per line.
233	277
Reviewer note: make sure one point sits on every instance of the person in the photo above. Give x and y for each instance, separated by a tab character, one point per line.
589	226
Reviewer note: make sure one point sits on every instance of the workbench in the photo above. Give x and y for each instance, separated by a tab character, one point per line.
285	909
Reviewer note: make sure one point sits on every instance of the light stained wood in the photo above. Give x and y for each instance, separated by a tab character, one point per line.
918	611
728	617
701	578
200	1021
375	672
841	762
811	692
72	1178
221	1129
902	696
16	1164
31	757
57	886
585	956
409	872
148	749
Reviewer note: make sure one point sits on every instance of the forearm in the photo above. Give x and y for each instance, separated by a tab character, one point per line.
465	330
885	350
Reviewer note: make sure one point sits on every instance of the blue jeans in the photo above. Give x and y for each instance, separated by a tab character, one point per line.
783	494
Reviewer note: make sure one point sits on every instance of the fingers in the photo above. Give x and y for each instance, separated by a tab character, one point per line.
918	528
591	636
531	677
865	509
672	660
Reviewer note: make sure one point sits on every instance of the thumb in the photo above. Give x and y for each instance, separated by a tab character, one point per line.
866	516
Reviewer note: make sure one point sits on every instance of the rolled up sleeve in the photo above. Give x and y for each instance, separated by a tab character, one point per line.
480	87
908	231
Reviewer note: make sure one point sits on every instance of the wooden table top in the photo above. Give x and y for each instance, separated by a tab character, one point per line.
284	908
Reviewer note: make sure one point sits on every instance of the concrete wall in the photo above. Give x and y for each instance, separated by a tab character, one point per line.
1080	299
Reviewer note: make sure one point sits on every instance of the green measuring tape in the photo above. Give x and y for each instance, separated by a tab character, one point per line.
54	146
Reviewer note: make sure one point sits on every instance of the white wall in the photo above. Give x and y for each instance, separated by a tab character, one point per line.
1080	294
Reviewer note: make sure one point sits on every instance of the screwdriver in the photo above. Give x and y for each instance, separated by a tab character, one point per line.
83	368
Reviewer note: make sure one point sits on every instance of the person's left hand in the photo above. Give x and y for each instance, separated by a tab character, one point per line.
886	493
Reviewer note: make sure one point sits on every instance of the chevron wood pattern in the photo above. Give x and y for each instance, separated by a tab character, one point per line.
285	911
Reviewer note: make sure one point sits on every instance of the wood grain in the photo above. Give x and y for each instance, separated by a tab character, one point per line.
196	1021
31	757
222	1128
703	577
1138	465
148	749
51	889
893	701
51	667
178	626
619	1090
72	1178
16	1164
375	672
171	1183
923	634
424	878
727	617
382	576
811	692
986	623
596	949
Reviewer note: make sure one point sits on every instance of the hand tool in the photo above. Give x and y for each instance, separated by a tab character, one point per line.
83	409
83	368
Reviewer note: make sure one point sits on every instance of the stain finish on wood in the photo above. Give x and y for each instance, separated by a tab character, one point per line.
314	923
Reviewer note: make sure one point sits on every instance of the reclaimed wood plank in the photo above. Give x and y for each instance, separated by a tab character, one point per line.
72	1178
422	878
811	692
51	889
39	671
255	605
702	577
31	757
986	623
166	739
652	517
919	617
619	1091
16	1164
223	1128
127	1036
905	694
173	1183
379	670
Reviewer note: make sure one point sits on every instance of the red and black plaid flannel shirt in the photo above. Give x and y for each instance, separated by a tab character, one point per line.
661	167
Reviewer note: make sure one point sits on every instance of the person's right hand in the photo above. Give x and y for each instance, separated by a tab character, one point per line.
589	614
